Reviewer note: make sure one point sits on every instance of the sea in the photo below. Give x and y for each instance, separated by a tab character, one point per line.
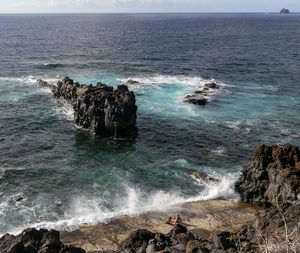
54	174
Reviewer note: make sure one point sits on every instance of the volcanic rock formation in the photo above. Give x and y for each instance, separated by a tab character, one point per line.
272	177
35	241
285	11
100	109
199	96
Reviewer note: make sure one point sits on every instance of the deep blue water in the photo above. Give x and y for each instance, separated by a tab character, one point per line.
67	177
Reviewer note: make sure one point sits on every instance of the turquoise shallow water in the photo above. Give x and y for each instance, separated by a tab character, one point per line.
67	177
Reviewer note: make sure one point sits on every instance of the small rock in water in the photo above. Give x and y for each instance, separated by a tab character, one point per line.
285	11
211	86
131	81
204	177
195	99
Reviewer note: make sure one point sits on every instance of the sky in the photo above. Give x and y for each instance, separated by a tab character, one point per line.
131	6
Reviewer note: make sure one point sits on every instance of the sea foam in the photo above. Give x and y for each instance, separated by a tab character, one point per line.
85	210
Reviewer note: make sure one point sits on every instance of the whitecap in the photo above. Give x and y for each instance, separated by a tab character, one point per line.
195	81
86	210
215	189
232	124
64	110
221	150
28	80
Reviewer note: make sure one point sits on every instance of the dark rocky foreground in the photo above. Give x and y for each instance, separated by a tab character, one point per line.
271	180
35	241
100	109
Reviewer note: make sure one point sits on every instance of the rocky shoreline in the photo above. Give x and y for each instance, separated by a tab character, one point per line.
271	182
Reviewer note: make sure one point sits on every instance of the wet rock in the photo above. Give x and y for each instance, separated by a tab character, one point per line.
45	84
204	177
199	96
211	86
131	81
100	109
272	177
195	99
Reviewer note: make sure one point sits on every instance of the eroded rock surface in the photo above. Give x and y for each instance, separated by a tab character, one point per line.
100	109
272	177
272	180
35	241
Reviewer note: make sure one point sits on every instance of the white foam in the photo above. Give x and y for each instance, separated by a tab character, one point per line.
64	111
221	150
224	188
85	210
28	80
195	81
232	124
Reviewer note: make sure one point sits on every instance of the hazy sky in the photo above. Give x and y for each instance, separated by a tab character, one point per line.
8	6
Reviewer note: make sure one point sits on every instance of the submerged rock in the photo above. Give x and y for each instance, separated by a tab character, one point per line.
131	81
204	177
195	99
100	109
199	96
211	86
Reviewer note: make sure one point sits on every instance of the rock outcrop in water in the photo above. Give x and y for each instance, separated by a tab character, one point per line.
285	11
199	96
100	109
35	241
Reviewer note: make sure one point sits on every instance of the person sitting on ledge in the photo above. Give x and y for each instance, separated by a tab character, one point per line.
168	221
178	219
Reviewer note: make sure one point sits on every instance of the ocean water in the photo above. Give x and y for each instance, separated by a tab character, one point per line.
54	174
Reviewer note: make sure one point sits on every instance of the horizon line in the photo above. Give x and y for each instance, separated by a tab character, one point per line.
216	12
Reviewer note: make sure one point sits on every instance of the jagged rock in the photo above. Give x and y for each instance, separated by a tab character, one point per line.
195	246
221	239
71	249
195	99
199	96
45	84
131	81
35	241
285	11
100	109
178	229
211	86
272	177
136	240
204	177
